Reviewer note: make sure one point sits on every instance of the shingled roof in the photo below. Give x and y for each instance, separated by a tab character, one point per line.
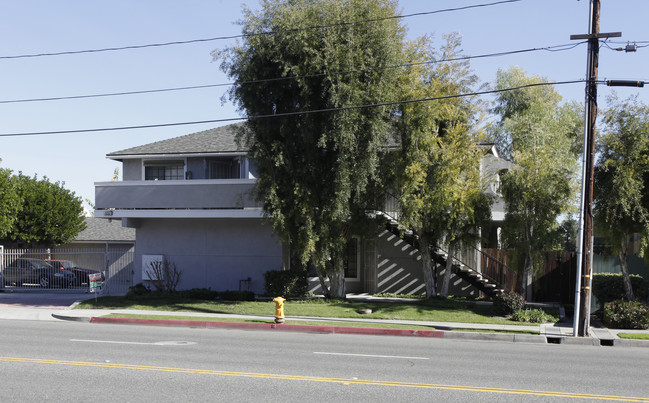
218	140
102	230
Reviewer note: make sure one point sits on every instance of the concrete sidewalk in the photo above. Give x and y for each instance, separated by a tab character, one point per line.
55	307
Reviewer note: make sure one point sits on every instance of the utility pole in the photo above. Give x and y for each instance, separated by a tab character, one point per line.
585	252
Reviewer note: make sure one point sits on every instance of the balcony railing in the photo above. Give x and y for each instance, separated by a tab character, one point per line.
180	195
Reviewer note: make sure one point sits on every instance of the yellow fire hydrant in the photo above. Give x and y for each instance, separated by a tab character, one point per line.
279	309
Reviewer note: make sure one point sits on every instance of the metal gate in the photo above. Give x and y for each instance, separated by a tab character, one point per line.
66	269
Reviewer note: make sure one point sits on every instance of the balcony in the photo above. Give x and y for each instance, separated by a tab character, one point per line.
177	198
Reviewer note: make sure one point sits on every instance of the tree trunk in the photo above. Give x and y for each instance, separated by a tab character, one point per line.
526	283
628	289
323	283
337	280
337	283
446	282
430	279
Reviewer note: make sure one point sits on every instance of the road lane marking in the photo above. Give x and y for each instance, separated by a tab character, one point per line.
343	381
157	343
372	355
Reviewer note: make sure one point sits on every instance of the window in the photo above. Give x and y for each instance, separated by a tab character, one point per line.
352	260
224	168
164	171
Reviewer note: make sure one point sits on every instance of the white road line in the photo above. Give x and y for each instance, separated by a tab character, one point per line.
372	356
158	343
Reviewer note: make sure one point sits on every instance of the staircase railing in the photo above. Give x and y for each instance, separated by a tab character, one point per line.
496	270
391	206
489	267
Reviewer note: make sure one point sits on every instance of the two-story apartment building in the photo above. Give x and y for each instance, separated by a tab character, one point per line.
191	202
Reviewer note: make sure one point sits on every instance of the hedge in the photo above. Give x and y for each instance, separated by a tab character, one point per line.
609	287
286	283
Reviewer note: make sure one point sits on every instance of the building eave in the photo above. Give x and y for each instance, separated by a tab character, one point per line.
177	213
121	157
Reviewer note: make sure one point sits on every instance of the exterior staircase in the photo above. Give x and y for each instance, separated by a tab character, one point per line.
489	285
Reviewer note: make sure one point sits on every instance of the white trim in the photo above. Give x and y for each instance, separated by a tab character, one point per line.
183	182
198	213
174	156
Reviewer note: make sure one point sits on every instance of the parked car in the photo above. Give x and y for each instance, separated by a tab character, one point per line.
35	271
81	275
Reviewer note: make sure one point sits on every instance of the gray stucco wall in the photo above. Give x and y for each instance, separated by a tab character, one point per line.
212	253
132	170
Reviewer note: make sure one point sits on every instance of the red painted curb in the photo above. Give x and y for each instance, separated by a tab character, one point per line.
273	326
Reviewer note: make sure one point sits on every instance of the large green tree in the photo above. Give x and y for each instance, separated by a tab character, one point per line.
541	137
9	202
440	188
50	215
621	178
300	56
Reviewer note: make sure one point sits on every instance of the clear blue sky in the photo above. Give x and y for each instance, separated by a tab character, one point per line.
44	26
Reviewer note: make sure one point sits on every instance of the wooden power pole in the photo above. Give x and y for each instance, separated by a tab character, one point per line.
582	307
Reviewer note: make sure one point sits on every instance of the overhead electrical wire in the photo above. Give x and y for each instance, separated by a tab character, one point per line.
296	113
555	48
230	37
619	49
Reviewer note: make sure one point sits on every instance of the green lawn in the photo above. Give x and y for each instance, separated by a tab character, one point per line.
438	310
635	336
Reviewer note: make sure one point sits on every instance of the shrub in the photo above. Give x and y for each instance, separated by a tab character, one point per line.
286	283
164	275
609	287
198	293
508	303
236	295
623	314
531	316
137	290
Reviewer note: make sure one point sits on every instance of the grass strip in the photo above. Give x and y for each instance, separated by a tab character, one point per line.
435	310
496	331
633	336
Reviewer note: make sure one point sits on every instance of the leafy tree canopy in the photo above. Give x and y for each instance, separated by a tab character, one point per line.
541	137
440	155
50	215
9	202
622	167
440	187
314	168
533	116
621	193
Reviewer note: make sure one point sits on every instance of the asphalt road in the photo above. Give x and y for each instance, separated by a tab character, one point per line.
74	362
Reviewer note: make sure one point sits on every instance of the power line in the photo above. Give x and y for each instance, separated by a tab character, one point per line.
230	37
555	48
619	49
112	94
289	114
